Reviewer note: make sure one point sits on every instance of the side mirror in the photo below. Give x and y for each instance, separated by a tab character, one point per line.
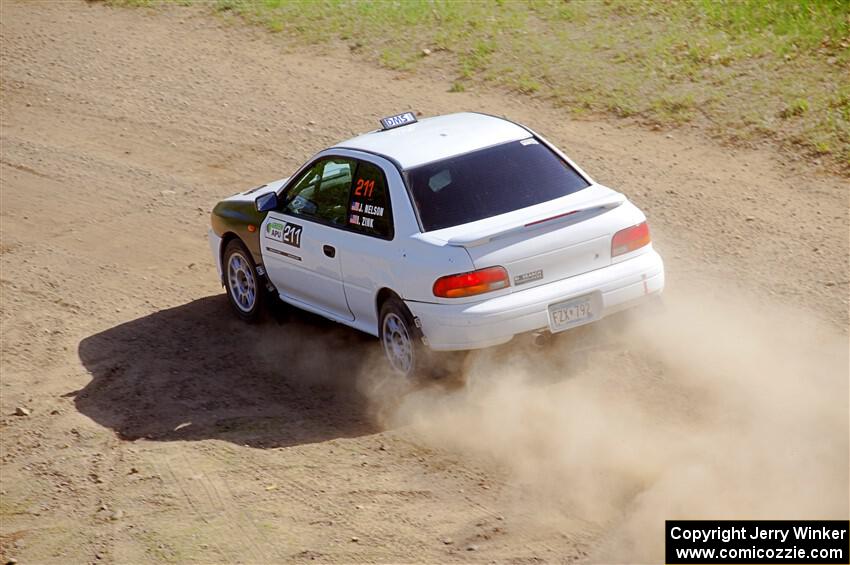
266	202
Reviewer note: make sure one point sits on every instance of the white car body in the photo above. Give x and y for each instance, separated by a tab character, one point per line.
551	256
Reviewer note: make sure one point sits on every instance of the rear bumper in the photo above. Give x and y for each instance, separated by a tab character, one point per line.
492	322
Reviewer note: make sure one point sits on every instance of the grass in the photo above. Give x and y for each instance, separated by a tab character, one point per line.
742	69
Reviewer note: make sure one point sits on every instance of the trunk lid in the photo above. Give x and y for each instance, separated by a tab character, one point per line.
547	242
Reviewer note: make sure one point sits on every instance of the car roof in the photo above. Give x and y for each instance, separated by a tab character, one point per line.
437	138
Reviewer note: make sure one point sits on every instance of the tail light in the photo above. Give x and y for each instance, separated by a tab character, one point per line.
472	283
630	239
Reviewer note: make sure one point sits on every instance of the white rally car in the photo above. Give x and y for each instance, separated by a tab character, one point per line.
450	233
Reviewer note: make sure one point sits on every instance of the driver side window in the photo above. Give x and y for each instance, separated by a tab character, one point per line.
322	191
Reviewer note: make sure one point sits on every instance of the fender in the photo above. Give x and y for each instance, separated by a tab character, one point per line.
238	215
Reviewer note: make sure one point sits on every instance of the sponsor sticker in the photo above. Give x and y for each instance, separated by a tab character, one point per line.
284	232
274	230
284	253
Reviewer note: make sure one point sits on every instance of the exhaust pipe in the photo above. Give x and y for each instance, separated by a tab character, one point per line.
541	338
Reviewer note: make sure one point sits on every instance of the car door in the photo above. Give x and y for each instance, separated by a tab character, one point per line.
369	254
300	240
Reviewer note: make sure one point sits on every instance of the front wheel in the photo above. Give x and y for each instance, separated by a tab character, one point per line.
242	282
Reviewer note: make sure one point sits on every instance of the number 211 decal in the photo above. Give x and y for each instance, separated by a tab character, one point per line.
284	232
364	188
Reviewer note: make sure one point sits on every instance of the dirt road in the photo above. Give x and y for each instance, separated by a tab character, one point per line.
161	429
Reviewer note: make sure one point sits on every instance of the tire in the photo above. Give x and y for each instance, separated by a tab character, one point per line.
245	289
401	340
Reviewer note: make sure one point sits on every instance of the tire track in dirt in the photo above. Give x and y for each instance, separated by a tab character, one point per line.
212	500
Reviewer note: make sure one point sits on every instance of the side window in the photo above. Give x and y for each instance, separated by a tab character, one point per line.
369	212
322	191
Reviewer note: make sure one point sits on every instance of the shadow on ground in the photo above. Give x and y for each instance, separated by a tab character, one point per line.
195	372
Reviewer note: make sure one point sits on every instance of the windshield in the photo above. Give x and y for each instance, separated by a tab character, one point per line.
489	182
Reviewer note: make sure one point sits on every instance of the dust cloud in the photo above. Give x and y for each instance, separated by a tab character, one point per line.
717	408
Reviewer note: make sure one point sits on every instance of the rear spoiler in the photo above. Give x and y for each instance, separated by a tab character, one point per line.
573	215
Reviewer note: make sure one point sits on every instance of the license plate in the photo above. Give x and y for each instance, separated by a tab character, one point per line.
572	313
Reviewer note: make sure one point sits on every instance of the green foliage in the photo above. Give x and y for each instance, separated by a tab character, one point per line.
527	85
736	65
796	108
674	108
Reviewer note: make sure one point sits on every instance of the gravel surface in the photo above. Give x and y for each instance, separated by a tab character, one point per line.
142	422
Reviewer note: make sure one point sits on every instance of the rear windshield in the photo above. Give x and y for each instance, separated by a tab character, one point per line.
489	182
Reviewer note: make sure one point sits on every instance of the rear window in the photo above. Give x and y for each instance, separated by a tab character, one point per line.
490	182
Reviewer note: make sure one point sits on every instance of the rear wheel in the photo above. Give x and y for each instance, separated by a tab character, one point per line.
242	282
401	339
